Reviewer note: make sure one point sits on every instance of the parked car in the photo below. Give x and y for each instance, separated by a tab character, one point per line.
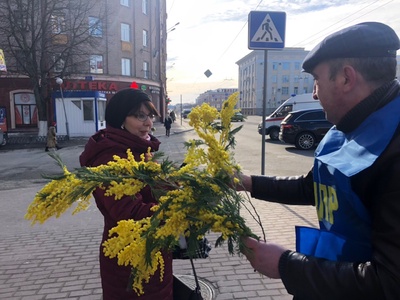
185	113
304	128
296	102
238	117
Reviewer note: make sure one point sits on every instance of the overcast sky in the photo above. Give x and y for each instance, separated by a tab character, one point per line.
213	35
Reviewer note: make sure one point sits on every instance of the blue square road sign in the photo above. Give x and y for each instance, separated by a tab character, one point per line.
266	30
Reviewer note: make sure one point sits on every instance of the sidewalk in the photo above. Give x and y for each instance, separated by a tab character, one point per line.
59	259
77	141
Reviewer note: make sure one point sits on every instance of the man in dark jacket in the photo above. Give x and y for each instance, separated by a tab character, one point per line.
354	183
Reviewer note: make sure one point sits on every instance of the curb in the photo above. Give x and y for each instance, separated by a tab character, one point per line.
33	142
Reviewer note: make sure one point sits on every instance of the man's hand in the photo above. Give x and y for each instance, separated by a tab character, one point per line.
264	257
245	183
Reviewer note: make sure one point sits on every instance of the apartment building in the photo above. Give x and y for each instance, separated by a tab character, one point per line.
216	97
284	79
130	47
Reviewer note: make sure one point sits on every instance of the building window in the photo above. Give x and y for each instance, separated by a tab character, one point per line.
126	67
144	6
57	23
295	90
286	66
101	110
25	109
145	38
96	64
285	78
21	19
59	63
124	2
125	32
297	65
274	66
95	27
21	57
285	90
274	78
145	69
88	111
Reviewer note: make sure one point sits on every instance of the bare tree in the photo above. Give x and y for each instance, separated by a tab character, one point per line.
44	39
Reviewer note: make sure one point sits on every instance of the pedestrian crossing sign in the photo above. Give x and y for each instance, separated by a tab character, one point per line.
266	30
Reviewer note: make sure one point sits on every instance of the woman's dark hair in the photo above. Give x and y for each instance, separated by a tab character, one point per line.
149	105
125	103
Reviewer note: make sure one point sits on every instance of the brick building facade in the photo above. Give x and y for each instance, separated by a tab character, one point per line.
131	48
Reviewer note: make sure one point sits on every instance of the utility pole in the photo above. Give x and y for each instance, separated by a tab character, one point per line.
181	110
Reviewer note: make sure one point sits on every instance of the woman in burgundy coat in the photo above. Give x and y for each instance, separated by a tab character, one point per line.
129	118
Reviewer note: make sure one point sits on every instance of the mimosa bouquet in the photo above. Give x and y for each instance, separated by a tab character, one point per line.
193	199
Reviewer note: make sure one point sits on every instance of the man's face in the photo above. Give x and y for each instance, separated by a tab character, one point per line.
328	92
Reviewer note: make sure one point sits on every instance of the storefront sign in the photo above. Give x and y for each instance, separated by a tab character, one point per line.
91	85
103	86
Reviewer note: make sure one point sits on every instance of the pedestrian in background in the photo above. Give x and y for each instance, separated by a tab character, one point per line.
354	184
52	137
172	115
129	119
167	125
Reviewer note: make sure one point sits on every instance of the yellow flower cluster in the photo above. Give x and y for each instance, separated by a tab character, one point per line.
76	188
129	246
58	196
192	200
217	138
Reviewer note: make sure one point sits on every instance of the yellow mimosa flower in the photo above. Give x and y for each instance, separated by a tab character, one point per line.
192	200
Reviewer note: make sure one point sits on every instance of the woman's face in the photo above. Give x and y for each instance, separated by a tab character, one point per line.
135	124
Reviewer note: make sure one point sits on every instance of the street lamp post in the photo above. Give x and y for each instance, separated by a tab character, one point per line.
172	28
59	81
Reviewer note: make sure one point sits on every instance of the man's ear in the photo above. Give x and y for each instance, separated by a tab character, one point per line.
349	77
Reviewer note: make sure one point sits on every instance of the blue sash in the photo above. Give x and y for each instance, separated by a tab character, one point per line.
345	225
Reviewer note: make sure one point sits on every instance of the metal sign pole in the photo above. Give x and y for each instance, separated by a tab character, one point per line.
266	31
264	108
181	110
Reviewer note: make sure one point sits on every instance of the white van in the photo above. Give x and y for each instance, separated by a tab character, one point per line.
298	102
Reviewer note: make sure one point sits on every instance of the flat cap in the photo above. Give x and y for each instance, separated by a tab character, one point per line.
369	39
